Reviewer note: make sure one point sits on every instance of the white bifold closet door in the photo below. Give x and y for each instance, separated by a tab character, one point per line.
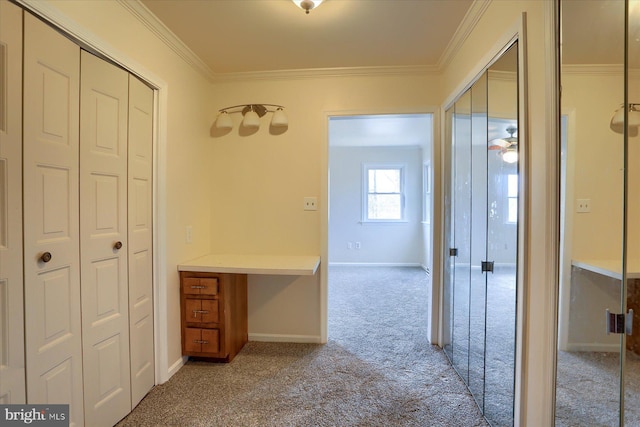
140	239
12	384
53	333
104	97
87	230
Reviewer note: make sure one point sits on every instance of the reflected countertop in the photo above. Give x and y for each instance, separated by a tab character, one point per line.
608	267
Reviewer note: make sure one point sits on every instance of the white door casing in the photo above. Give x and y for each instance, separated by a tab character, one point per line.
12	381
51	206
103	241
140	248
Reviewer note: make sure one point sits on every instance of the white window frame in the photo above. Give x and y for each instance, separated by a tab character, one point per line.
366	167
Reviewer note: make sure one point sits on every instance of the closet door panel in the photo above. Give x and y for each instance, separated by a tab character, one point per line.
51	206
140	238
103	240
12	381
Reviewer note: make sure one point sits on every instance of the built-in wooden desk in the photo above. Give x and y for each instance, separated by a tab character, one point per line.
213	299
612	269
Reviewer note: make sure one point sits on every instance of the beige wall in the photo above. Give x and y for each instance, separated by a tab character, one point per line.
537	326
186	173
597	156
262	179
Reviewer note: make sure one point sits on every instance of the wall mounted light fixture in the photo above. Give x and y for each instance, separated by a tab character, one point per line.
307	5
617	121
252	114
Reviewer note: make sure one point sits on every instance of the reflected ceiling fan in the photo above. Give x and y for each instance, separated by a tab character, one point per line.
508	146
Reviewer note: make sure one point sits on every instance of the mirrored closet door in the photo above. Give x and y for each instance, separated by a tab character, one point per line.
481	228
598	363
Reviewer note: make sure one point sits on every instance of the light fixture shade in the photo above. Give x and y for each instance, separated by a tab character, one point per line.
618	117
510	155
307	5
634	116
224	121
279	119
251	120
617	121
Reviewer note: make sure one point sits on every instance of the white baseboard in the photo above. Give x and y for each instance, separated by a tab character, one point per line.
177	365
375	264
312	339
600	347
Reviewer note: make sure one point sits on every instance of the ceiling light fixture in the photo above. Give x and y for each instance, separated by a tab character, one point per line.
307	5
508	146
617	121
252	114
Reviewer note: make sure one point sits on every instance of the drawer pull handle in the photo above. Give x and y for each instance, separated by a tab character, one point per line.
198	287
201	342
195	312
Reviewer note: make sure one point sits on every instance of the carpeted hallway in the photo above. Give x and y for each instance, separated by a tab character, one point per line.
377	369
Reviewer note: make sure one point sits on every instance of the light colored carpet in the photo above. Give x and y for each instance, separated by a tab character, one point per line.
376	370
588	389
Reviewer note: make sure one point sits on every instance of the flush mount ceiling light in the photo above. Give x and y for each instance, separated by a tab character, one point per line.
307	5
252	114
617	121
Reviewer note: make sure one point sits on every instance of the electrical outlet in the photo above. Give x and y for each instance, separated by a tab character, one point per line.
349	245
188	235
310	203
583	205
358	245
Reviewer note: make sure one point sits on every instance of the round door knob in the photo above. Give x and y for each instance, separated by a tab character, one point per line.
45	257
118	245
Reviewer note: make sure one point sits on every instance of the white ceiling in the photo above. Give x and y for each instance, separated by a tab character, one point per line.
234	36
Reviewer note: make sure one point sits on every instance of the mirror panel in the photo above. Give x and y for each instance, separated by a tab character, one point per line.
449	236
477	301
588	386
502	236
462	237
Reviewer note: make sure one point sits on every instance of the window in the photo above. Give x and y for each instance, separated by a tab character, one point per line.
384	193
512	198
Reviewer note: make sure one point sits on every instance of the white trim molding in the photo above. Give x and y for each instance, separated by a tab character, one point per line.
157	27
310	339
463	31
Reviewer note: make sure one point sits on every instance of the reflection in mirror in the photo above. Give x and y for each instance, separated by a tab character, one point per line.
462	233
592	267
502	237
481	229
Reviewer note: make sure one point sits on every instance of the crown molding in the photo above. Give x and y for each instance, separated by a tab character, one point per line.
463	31
593	69
311	73
149	20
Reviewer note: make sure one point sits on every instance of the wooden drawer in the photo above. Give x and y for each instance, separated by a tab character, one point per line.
198	340
201	310
200	286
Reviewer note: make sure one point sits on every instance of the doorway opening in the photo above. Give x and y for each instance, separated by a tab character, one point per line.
379	228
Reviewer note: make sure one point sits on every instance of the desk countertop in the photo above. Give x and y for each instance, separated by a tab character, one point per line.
289	265
608	267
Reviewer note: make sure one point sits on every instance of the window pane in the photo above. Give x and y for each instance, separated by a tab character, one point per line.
384	206
512	185
384	180
513	210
